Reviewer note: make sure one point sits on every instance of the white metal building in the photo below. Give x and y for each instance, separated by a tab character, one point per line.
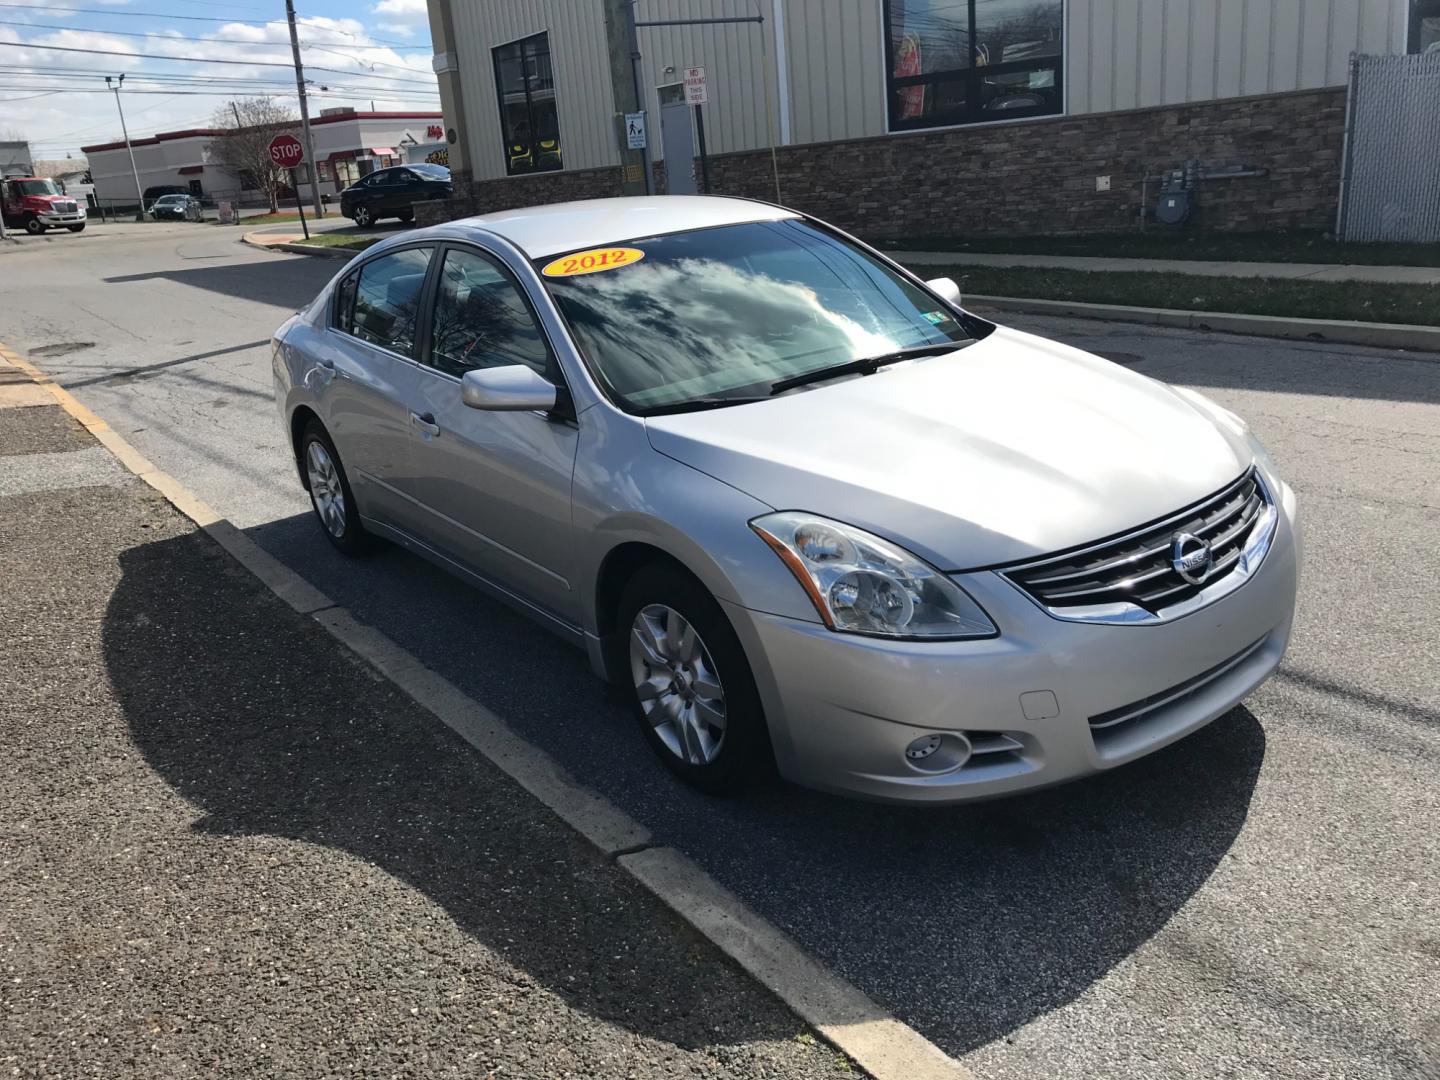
820	70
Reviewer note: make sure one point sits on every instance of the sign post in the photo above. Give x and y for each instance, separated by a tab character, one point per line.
697	94
287	153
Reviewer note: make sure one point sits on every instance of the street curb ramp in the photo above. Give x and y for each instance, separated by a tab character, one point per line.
884	1047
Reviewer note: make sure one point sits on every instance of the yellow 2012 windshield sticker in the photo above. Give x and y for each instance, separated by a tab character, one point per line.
592	261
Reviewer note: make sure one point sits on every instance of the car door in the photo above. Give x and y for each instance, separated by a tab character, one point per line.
408	190
495	485
392	189
365	377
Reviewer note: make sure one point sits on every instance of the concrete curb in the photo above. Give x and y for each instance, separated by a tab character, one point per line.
1375	335
881	1045
301	249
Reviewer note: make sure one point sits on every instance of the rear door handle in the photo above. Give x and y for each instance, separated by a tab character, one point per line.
426	423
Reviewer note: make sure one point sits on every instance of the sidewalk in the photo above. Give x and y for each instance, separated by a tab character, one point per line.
230	849
1398	275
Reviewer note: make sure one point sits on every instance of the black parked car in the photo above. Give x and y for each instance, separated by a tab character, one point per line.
394	192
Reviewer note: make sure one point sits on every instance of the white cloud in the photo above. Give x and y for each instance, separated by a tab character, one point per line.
400	7
65	121
398	29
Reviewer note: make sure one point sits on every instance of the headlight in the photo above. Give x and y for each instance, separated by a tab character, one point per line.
861	584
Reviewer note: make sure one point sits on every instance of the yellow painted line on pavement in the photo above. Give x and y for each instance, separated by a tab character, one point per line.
884	1047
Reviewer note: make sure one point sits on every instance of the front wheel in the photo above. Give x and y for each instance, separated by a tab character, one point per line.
34	226
330	493
363	217
406	216
690	685
76	228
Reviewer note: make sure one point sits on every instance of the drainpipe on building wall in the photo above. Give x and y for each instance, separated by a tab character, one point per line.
446	66
782	70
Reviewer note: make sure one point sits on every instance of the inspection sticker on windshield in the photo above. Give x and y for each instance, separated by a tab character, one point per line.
592	261
936	317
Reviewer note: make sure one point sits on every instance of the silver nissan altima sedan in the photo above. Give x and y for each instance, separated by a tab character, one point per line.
801	503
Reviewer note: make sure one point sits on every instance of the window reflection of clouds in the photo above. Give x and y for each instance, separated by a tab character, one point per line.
663	332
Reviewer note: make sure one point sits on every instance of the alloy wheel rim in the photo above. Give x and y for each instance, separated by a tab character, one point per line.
362	217
326	491
677	685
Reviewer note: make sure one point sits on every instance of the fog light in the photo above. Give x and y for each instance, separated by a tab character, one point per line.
939	752
922	747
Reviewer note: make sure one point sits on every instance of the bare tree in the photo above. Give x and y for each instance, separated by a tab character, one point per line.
249	125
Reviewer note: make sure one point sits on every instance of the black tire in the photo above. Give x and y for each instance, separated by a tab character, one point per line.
33	225
350	537
76	228
363	217
406	216
743	756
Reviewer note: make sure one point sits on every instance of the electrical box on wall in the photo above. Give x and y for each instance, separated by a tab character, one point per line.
1102	183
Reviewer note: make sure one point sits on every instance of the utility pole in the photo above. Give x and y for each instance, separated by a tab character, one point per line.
139	194
624	58
304	111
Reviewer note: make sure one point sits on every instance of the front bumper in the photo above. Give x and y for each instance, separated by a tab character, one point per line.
842	709
56	221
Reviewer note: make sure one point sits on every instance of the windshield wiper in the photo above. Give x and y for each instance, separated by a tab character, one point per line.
866	365
697	404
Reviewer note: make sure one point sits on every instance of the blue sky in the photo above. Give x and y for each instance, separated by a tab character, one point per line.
354	53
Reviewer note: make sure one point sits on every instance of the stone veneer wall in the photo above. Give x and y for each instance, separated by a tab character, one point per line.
1022	178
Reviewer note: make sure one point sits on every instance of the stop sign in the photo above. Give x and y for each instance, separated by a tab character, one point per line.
286	151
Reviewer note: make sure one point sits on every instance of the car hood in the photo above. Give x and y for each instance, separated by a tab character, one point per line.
1010	448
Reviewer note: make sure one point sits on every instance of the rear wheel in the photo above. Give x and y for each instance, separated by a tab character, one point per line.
406	216
363	217
34	226
330	493
690	685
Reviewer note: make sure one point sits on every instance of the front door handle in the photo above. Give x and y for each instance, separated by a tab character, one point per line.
426	423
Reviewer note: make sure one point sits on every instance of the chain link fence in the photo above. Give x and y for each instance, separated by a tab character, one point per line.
1390	179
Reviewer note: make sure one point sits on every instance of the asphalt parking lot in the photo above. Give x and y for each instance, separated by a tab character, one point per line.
1260	900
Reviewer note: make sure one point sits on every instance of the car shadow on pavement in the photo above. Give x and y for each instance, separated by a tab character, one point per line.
967	922
270	728
284	281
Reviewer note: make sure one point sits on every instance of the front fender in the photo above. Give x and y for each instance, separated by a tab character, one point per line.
627	492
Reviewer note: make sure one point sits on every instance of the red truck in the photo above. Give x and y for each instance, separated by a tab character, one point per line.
35	204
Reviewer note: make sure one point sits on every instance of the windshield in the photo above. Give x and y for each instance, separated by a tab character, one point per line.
166	200
37	187
727	312
432	172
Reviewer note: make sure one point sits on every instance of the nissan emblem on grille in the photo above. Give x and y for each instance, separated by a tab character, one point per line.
1191	557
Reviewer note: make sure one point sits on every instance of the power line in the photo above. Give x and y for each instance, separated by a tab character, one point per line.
112	12
220	82
199	60
221	40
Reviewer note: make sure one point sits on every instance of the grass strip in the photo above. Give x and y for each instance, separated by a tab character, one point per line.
1353	300
351	243
1160	243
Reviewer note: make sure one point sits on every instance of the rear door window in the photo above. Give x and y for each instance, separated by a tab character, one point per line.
386	300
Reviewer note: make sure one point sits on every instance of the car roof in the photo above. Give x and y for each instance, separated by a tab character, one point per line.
548	230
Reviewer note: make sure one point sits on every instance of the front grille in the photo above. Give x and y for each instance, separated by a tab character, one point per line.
1137	568
65	207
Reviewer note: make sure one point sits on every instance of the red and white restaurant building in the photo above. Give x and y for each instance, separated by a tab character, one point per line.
348	145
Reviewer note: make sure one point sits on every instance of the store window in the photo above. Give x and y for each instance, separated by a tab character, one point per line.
970	61
528	120
1425	26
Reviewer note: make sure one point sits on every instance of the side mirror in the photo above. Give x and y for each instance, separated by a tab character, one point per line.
946	289
515	388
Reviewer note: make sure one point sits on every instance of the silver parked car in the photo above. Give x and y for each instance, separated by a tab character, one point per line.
801	503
